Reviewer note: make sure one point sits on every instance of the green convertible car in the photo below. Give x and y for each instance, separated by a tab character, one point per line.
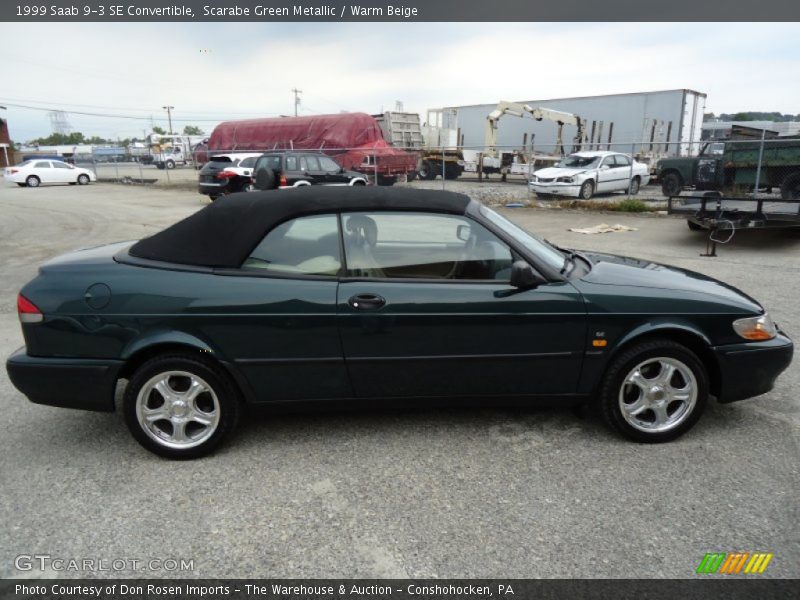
371	294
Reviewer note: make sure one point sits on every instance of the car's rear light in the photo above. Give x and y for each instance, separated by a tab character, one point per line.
28	312
282	181
225	174
12	171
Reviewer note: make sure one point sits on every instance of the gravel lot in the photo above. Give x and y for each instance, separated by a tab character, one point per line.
486	492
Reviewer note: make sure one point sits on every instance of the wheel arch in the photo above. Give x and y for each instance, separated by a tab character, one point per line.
681	333
141	350
672	171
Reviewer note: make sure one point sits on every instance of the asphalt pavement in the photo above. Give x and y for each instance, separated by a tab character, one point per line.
455	492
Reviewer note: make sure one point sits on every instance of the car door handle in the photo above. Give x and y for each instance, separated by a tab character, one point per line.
367	301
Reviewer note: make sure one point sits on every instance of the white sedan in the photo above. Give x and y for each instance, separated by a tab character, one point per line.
585	174
33	173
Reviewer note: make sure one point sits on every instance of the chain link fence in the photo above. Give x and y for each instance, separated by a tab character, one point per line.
741	168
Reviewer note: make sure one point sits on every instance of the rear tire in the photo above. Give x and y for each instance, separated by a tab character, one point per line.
180	407
33	181
426	171
654	391
790	188
633	189
671	184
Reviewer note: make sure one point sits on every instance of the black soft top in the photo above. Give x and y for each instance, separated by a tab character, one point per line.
224	233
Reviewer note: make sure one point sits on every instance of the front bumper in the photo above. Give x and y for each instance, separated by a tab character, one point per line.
555	189
751	368
82	383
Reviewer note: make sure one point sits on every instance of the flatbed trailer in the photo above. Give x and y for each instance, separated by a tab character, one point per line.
719	215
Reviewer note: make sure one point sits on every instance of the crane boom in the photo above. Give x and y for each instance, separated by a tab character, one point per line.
538	113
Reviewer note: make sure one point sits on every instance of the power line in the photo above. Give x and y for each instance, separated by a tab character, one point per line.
115	116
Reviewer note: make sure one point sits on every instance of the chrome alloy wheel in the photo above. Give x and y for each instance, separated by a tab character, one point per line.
178	409
658	394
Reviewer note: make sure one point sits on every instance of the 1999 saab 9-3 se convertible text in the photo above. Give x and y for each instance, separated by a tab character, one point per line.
374	293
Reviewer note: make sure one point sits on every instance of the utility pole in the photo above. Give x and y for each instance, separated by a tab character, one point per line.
296	99
169	110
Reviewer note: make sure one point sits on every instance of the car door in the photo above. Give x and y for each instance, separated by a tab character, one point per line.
62	172
309	166
44	171
275	317
606	174
334	174
623	172
426	309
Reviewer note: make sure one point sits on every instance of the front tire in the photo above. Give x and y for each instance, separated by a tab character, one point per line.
83	179
790	188
170	164
180	407
587	190
33	181
654	392
671	184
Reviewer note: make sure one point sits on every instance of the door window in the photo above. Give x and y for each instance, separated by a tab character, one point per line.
42	164
312	162
609	162
291	163
248	163
623	161
269	162
60	165
328	164
306	246
423	246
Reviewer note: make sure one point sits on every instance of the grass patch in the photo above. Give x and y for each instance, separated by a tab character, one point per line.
628	205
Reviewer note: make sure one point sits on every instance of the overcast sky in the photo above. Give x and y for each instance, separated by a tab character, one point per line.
212	72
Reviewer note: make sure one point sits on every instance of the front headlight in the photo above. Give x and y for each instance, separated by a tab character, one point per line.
756	328
566	180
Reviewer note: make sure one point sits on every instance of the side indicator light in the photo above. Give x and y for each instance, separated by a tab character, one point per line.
599	343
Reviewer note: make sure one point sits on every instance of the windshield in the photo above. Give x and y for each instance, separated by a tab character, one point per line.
542	249
574	161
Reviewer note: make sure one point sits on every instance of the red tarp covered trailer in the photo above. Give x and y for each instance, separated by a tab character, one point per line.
354	139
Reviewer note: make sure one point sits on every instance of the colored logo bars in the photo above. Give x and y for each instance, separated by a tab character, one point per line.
733	563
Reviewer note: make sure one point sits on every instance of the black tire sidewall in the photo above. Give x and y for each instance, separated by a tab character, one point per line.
789	187
671	186
36	180
634	187
212	374
622	364
83	179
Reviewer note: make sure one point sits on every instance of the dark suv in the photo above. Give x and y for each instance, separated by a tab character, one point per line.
227	174
288	168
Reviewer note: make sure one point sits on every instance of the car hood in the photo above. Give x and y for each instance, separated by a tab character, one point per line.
552	172
609	269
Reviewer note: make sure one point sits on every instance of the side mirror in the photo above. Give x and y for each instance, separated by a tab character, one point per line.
523	275
463	232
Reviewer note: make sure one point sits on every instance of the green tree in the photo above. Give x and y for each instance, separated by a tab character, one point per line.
60	139
192	130
159	130
95	140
